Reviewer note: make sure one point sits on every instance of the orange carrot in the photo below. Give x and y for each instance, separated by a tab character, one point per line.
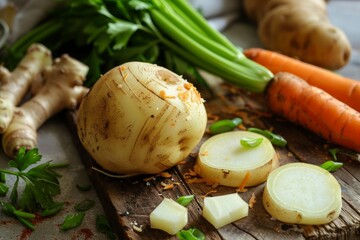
293	98
344	89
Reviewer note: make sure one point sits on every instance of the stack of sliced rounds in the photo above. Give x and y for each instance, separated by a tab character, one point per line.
223	160
302	193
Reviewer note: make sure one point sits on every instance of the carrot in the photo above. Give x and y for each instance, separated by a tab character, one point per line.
344	89
293	98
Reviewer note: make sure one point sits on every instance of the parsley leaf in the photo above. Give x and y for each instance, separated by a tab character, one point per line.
41	182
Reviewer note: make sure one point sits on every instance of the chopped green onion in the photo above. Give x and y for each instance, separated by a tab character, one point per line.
26	223
190	234
331	166
185	200
8	208
333	153
84	205
72	220
83	187
3	189
275	139
344	152
52	210
103	226
22	214
224	125
250	142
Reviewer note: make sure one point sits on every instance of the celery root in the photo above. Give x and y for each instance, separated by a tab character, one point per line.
302	193
140	118
223	160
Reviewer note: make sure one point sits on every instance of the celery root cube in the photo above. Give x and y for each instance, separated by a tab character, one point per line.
169	216
225	209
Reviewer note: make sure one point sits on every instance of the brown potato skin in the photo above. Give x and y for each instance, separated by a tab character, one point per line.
300	29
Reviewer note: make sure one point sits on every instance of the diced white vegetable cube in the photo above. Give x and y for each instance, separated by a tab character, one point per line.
225	209
169	216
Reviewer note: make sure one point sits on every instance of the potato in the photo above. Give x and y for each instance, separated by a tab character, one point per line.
302	193
225	209
300	29
140	118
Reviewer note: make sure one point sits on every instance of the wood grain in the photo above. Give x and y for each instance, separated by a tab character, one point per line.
130	201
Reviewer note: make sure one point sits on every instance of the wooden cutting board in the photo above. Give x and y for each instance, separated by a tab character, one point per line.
129	202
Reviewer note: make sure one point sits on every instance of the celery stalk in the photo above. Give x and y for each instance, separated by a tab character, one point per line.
252	79
110	31
199	20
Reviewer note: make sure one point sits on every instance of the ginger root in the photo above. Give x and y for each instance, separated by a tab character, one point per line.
15	85
300	29
63	88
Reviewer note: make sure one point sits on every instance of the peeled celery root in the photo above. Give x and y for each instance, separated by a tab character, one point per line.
223	160
169	216
302	193
220	214
300	29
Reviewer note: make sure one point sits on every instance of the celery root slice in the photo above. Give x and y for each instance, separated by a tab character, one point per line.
223	160
302	193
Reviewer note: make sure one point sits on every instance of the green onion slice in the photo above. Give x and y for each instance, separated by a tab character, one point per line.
224	125
26	223
52	210
72	220
103	226
331	166
185	200
22	214
250	142
190	234
84	205
275	139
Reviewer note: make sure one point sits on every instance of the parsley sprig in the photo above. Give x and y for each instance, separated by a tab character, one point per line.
41	182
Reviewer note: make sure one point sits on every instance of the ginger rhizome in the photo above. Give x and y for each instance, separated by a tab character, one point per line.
63	89
15	85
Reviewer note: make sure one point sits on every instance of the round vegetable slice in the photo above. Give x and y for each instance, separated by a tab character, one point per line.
223	160
302	193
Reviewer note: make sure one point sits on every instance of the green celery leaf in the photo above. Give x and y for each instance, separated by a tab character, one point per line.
25	158
7	208
27	199
14	192
121	31
139	5
41	193
17	162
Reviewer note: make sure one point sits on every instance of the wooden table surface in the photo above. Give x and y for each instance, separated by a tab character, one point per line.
129	202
